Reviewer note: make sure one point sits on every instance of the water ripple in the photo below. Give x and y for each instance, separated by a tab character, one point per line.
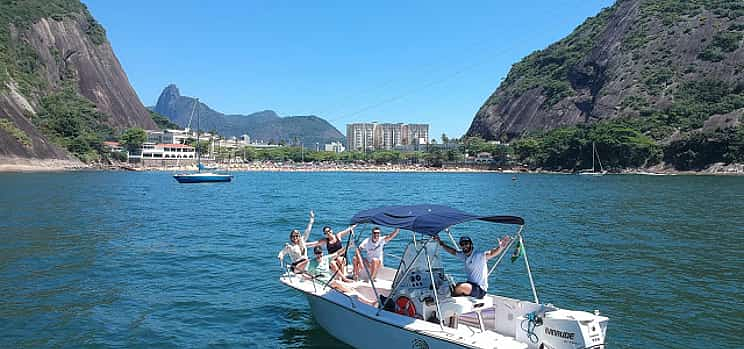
98	259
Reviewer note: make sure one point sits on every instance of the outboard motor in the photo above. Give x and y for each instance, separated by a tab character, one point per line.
562	329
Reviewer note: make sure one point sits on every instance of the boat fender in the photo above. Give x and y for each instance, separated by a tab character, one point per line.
404	306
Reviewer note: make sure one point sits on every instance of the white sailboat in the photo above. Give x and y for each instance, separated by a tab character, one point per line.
593	171
415	307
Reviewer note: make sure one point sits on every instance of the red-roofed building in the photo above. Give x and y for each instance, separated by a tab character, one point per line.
113	146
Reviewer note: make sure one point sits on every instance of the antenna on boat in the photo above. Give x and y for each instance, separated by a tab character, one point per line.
527	263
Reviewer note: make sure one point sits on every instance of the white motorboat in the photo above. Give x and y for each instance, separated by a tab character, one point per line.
414	307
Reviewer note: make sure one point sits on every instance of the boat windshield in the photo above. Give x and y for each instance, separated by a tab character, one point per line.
414	262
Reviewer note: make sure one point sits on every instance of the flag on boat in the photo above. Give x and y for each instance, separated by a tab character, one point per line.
518	251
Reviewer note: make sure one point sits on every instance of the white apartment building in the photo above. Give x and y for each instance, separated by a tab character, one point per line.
374	136
416	134
388	136
335	147
360	136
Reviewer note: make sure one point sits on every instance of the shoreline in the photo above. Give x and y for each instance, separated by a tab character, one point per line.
21	165
54	165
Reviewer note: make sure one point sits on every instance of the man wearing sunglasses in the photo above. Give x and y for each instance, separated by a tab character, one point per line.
373	249
475	265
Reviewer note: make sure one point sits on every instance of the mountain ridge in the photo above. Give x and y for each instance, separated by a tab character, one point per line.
264	125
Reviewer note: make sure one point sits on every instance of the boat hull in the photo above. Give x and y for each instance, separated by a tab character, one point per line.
195	178
363	331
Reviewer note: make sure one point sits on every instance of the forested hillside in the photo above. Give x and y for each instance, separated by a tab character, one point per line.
649	82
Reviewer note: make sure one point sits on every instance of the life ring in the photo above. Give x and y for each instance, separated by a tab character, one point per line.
404	306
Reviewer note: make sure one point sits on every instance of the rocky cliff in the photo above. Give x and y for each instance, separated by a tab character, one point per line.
264	125
678	63
60	82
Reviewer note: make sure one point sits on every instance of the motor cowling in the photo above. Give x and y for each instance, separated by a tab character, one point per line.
563	329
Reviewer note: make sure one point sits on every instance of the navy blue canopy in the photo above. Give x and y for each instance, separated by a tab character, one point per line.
426	219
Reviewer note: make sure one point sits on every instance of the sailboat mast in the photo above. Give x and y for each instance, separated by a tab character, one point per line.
198	129
594	151
599	160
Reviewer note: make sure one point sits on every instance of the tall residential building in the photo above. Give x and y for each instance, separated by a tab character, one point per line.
374	136
388	136
360	136
417	134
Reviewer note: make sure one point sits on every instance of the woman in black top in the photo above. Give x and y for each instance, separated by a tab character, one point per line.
333	244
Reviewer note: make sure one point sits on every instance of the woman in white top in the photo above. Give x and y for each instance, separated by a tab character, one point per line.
296	249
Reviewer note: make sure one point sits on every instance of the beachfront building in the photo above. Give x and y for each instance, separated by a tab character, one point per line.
335	147
416	134
374	136
388	136
163	151
360	136
169	136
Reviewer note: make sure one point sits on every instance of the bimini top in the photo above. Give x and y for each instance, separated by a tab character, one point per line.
426	219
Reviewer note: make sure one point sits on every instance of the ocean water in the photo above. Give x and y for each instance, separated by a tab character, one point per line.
136	260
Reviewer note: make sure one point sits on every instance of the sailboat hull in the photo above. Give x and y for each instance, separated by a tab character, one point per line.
202	178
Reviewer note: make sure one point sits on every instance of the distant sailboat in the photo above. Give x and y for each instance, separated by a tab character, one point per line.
199	176
593	171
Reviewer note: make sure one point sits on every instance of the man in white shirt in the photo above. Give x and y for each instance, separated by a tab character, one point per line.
475	265
373	249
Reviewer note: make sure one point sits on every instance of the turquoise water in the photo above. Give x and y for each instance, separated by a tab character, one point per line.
114	259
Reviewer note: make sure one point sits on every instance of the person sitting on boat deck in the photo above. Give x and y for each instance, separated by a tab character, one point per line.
296	248
319	267
334	244
373	248
475	265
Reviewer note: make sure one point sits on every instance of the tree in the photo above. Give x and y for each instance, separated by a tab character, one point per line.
445	139
133	138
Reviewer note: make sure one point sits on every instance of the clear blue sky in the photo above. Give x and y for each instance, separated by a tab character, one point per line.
346	61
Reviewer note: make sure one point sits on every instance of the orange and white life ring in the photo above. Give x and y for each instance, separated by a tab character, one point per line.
404	306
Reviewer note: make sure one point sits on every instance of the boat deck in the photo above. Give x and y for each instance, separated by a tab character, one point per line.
467	333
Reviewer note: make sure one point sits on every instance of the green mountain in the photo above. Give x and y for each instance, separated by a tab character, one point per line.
647	80
264	125
62	90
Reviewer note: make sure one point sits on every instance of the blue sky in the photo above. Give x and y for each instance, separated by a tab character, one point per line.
433	62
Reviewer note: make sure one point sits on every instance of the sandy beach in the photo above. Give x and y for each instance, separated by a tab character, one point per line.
55	165
39	165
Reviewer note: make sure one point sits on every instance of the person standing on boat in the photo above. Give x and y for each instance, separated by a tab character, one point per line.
296	249
475	265
334	244
373	248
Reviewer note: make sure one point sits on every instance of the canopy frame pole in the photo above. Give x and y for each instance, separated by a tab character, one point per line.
408	269
529	271
503	253
457	247
371	282
433	288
